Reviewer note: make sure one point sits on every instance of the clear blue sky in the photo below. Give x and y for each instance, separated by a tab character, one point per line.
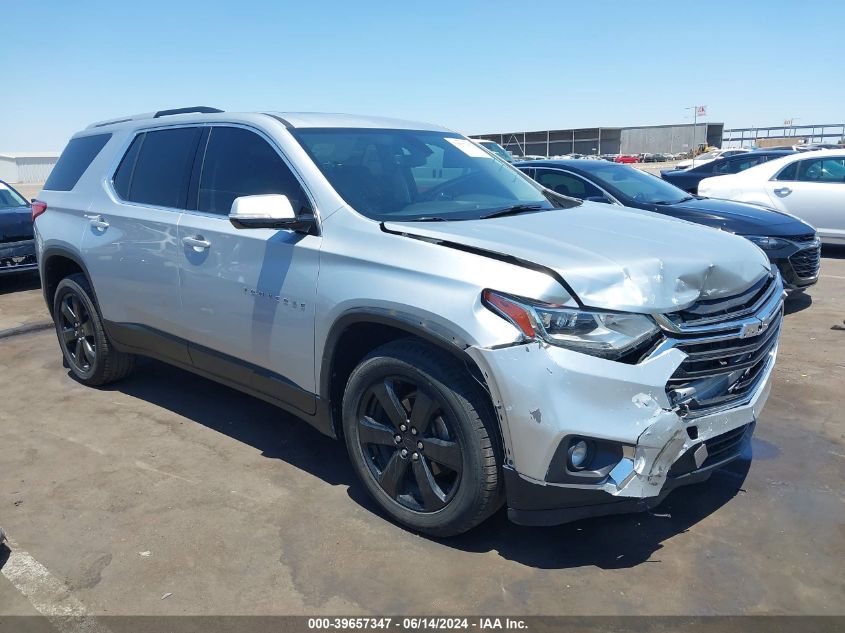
475	66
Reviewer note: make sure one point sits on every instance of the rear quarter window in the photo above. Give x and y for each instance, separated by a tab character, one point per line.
73	162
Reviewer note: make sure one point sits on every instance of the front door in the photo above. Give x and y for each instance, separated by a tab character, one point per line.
248	295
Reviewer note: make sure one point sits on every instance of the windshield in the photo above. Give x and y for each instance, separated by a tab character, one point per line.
9	198
637	185
407	175
497	149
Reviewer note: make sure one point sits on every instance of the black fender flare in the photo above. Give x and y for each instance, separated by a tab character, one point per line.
66	253
434	333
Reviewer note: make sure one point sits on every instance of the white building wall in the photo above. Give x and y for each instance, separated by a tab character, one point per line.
8	169
26	168
34	169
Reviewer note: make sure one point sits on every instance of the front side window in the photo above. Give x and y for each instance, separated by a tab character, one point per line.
156	168
9	198
822	170
78	155
567	184
408	175
241	163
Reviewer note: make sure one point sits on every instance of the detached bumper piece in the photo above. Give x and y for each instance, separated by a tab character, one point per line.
17	257
536	504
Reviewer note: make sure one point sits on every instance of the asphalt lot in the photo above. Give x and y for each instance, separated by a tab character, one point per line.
167	483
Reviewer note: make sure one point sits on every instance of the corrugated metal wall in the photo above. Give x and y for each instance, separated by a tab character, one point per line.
631	140
671	138
26	168
8	169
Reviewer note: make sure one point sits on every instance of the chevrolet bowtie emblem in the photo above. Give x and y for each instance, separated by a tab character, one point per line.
754	329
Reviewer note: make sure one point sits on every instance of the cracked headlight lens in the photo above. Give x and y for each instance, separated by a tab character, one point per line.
605	334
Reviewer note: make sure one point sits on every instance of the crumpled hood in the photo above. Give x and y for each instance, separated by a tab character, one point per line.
619	259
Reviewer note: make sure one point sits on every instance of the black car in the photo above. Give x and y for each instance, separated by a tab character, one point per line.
789	243
17	243
688	179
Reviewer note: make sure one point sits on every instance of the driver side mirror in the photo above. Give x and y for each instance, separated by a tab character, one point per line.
268	211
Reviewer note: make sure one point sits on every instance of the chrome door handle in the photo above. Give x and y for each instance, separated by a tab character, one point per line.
198	243
783	191
97	222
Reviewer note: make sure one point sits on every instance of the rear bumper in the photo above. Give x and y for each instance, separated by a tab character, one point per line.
17	257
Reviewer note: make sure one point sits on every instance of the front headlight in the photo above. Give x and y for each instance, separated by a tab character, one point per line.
767	243
605	334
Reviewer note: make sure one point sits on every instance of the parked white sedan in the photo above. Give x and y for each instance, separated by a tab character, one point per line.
810	186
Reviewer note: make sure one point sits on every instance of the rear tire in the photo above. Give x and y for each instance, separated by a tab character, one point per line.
422	437
87	352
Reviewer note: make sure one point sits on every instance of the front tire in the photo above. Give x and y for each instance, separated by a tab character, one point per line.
422	437
87	351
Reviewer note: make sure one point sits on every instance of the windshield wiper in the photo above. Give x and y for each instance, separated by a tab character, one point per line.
514	210
674	201
426	218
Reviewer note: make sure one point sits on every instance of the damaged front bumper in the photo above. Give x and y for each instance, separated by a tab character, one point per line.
647	443
17	257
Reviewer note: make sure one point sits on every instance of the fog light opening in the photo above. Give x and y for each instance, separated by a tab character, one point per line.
579	452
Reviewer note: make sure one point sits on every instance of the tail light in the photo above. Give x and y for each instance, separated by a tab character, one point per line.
38	208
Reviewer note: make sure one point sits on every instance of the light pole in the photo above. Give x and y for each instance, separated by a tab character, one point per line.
694	130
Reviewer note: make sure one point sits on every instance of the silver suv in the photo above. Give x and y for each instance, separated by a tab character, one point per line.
474	338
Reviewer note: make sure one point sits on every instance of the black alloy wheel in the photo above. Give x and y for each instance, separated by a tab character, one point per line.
409	445
88	352
76	333
423	437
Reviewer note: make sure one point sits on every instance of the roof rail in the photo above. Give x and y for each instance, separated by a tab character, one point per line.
111	121
198	109
154	115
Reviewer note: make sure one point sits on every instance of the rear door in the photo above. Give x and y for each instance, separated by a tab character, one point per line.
248	295
130	243
814	190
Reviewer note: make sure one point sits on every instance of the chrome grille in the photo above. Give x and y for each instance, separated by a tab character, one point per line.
727	355
709	313
806	262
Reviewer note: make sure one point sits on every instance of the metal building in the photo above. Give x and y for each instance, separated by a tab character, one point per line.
27	167
610	140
